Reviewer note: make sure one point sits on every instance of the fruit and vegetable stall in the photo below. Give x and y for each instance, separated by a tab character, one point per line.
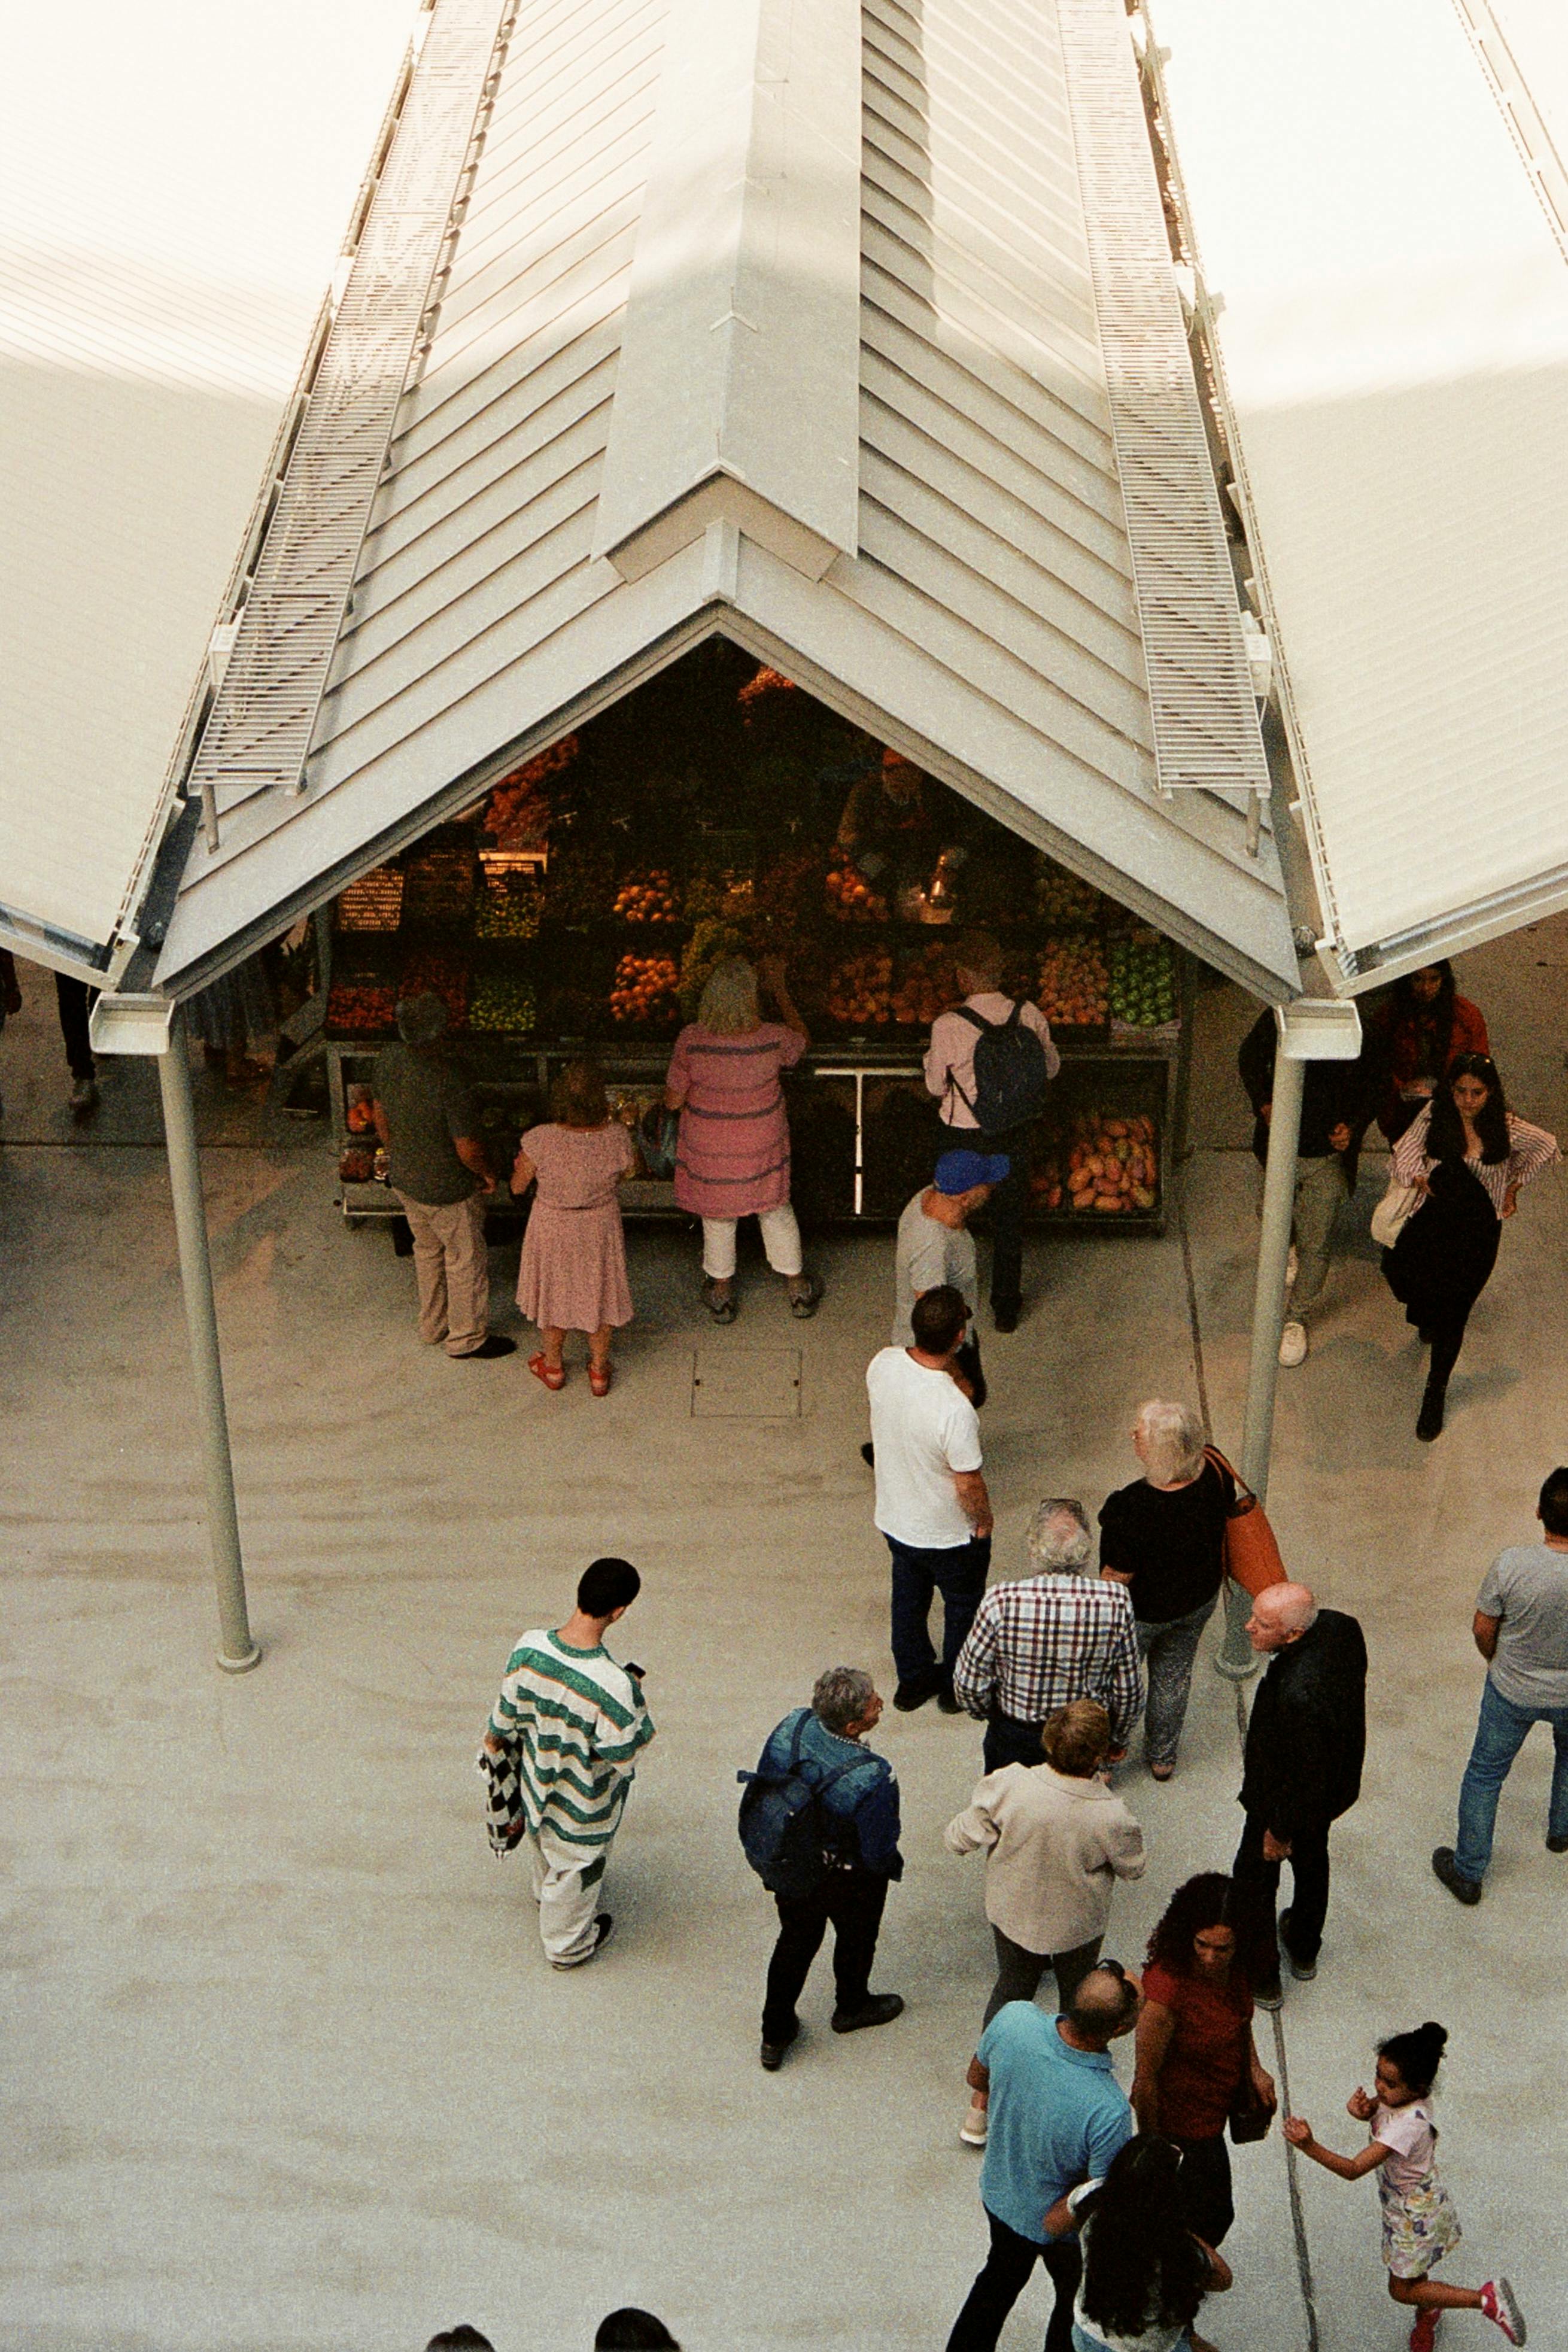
583	903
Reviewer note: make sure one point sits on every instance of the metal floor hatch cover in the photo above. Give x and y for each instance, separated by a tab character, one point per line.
745	1384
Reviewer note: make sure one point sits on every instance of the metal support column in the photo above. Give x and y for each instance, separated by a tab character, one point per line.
1237	1656
238	1653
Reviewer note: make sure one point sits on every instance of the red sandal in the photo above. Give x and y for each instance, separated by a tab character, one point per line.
554	1376
599	1378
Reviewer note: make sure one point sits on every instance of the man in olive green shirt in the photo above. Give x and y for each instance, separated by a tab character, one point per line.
426	1117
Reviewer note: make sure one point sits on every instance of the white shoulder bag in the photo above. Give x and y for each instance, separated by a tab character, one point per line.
1394	1211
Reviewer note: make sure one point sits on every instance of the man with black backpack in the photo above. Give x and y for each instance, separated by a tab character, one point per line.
989	1063
819	1822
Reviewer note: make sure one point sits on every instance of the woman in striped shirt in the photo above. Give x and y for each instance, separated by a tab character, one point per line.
731	1158
1468	1157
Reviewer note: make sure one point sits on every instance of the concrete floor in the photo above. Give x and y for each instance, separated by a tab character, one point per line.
283	2064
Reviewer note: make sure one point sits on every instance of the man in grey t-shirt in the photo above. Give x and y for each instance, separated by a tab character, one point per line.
935	1248
1521	1631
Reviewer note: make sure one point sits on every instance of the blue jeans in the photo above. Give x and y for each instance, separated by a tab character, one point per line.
1500	1733
958	1574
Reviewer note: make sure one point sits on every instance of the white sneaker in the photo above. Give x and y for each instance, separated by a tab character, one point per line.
972	2130
1293	1345
1292	1267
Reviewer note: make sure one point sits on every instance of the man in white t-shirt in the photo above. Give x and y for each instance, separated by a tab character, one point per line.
949	1075
931	1502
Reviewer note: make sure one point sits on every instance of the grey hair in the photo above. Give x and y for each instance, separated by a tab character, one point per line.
1173	1437
1058	1536
728	1002
841	1698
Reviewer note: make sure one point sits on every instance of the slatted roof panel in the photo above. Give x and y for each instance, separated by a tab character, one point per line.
975	600
1378	198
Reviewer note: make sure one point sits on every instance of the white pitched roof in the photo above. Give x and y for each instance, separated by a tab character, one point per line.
174	185
1391	249
859	424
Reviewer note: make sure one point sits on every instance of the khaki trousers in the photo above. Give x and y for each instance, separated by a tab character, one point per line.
452	1271
566	1884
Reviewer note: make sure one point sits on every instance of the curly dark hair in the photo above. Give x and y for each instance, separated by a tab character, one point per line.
1415	2056
1140	2262
1203	1902
1446	1136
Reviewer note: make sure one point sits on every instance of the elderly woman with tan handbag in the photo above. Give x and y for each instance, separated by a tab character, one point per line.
1055	1841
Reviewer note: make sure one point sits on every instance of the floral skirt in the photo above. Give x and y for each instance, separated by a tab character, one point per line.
1419	2225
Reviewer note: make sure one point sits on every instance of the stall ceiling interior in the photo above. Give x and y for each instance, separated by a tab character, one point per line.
956	577
1379	201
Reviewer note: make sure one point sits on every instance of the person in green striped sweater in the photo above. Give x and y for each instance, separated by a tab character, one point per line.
575	1722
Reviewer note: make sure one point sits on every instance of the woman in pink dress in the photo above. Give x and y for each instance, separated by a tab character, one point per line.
574	1271
732	1156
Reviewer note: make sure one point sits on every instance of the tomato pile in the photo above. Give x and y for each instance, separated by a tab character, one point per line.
1074	988
647	898
927	988
851	898
645	990
861	993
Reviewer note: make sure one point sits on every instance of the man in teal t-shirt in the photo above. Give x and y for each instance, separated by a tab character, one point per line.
1057	2117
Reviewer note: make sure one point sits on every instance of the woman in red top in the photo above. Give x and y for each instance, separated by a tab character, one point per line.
1415	1036
1195	2048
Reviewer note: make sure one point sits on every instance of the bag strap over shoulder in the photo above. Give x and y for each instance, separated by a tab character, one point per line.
1212	1453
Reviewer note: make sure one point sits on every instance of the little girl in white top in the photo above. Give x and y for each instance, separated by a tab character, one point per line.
1419	2224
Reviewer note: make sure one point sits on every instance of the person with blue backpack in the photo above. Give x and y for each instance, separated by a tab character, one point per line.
990	1065
819	1825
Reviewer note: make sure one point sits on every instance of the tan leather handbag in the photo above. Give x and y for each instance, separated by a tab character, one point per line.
1251	1553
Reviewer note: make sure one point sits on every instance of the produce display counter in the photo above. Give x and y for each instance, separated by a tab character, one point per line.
581	906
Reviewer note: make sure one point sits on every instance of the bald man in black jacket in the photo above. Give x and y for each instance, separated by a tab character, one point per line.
1306	1742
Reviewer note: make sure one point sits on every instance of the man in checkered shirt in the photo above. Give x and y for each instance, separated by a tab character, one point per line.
1047	1639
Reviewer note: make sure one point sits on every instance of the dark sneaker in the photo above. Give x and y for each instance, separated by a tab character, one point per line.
487	1351
1269	1995
1005	1319
877	2009
1462	1889
946	1701
1302	1970
909	1695
1557	1845
772	2054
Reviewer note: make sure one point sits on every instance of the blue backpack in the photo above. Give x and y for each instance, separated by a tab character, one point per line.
1010	1073
782	1827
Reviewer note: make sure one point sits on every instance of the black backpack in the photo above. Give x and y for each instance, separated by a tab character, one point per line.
1010	1073
781	1825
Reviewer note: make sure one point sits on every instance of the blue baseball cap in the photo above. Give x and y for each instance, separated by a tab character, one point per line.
959	1171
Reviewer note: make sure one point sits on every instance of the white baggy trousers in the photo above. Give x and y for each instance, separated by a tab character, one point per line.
566	1886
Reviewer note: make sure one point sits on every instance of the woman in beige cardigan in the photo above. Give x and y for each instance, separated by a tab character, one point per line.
1055	1841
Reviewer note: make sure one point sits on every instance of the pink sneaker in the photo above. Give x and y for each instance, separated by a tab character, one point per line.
1501	2307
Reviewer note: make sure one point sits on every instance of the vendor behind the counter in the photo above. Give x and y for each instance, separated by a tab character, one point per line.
887	830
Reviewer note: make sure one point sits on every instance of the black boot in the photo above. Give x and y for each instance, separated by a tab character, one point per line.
1430	1425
